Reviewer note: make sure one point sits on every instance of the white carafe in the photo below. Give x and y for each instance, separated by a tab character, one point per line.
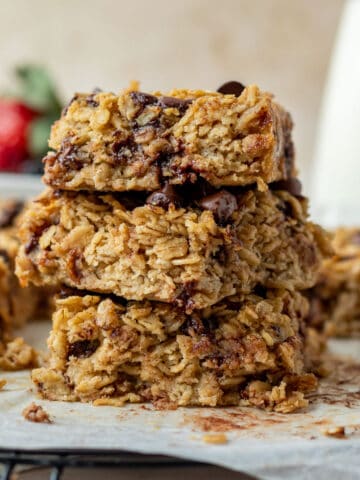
335	188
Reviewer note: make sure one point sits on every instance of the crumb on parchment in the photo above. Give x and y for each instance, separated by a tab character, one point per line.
2	383
337	432
36	413
215	439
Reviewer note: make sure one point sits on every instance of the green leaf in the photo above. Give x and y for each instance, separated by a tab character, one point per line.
37	89
38	135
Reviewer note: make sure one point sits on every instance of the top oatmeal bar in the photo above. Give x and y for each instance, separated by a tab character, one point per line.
138	141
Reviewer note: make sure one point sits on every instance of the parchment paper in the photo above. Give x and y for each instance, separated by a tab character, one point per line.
267	445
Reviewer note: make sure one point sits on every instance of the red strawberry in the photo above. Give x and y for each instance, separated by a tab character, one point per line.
15	119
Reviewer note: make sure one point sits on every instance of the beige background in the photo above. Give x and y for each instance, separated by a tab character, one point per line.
283	45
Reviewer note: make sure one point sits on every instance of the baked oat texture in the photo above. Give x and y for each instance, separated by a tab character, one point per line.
175	255
335	300
135	141
245	351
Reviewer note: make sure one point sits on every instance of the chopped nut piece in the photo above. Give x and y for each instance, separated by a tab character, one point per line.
3	382
36	413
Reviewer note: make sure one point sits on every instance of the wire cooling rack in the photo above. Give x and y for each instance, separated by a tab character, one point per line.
59	460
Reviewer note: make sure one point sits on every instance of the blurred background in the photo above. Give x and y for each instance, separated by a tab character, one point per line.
284	46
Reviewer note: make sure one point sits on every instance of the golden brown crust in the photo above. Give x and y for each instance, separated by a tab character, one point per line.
245	351
178	255
134	141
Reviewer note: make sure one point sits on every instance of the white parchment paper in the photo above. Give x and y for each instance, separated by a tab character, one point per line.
267	445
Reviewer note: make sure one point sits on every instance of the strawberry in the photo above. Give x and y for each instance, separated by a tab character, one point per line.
15	120
26	115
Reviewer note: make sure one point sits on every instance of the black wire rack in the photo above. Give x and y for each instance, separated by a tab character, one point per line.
59	460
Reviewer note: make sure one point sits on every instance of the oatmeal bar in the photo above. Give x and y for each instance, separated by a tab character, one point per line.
192	256
17	304
335	300
136	141
244	351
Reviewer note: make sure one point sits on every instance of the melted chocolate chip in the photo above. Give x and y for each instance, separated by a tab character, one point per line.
90	98
31	244
291	185
164	197
231	88
196	325
66	108
192	325
83	348
68	156
9	212
35	235
260	291
143	99
185	299
222	204
172	102
124	150
131	200
210	324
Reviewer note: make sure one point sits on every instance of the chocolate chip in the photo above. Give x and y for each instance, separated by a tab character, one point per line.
192	326
143	99
131	200
31	244
35	235
231	88
66	108
291	185
260	291
9	212
164	197
90	98
210	324
83	348
68	156
172	102
222	204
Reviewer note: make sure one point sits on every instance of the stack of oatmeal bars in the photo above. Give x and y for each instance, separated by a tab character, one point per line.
178	228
